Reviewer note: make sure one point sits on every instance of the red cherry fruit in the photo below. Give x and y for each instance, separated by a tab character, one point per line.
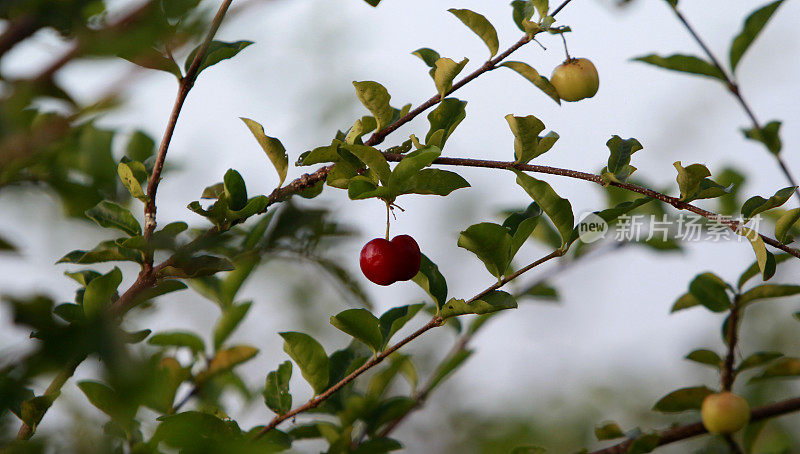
386	262
408	257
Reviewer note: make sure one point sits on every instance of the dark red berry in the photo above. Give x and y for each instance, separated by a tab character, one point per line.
386	262
378	261
408	257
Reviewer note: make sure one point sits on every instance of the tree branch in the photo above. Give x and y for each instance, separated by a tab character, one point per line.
148	276
186	84
692	430
421	395
674	201
733	88
436	321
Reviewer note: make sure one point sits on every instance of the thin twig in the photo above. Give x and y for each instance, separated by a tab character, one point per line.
728	372
185	86
491	64
313	403
674	201
436	321
53	390
421	395
733	87
692	430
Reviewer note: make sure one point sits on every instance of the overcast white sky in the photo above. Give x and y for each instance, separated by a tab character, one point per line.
296	81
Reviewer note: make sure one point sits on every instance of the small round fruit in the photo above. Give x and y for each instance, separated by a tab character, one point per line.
575	79
408	257
724	413
378	261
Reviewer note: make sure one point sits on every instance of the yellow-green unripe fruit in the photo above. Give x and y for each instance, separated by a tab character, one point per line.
575	79
724	413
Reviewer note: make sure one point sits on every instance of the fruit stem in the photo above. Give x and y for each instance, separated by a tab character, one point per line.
387	220
566	50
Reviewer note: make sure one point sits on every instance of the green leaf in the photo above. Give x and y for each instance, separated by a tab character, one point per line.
378	446
374	160
130	182
228	322
272	147
178	339
395	318
608	431
782	368
769	135
559	210
327	153
153	59
784	225
162	288
106	400
481	26
216	52
201	265
245	264
235	189
644	444
310	358
694	185
684	63
429	56
276	392
765	265
432	281
706	357
140	147
361	324
620	159
436	182
682	400
526	136
174	9
112	216
100	292
710	291
445	71
758	204
403	176
494	301
757	359
375	98
447	367
768	291
193	431
771	265
446	117
535	78
522	11
225	360
752	27
686	301
491	243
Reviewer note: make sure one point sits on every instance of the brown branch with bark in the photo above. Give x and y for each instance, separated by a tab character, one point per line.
674	201
148	277
692	430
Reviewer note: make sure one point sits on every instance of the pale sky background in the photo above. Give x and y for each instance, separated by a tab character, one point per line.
612	328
